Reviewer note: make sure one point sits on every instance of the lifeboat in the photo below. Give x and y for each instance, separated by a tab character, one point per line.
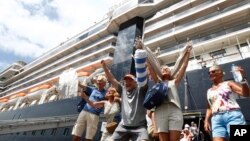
35	94
82	73
17	95
15	99
44	86
4	100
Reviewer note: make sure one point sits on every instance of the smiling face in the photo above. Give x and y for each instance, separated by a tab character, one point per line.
215	73
129	82
111	94
101	82
166	73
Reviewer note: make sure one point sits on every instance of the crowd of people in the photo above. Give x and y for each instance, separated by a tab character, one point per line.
162	123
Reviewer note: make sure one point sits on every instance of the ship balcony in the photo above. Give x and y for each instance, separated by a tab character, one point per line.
197	25
205	10
64	57
223	39
161	22
168	12
12	70
86	37
85	52
88	63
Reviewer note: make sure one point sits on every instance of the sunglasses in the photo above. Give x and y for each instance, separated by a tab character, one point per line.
213	71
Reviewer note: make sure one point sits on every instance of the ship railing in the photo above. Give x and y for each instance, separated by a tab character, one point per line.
168	10
184	14
177	17
32	120
31	124
191	23
48	68
85	51
67	44
209	37
57	71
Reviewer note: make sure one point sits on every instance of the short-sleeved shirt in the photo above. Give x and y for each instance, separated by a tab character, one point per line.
132	109
222	98
95	95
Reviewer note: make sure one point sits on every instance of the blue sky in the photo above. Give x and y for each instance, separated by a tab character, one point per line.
29	28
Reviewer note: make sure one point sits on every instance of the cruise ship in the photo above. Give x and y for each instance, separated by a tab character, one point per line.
37	102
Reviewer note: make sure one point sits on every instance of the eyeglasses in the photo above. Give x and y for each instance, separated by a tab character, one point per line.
213	71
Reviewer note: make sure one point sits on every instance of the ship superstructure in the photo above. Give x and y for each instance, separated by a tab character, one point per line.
219	29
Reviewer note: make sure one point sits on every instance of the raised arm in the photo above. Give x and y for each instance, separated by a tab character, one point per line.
84	87
98	104
152	72
184	65
242	90
109	75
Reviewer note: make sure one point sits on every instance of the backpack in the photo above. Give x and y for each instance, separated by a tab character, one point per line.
155	95
80	105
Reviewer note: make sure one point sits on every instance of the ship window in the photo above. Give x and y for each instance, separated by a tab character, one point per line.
66	132
33	133
113	43
196	57
2	78
245	50
43	132
111	54
218	53
170	64
53	132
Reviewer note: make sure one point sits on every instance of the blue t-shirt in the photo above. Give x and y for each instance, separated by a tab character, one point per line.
95	95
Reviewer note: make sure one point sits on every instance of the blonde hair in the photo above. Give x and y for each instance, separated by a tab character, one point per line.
114	94
101	77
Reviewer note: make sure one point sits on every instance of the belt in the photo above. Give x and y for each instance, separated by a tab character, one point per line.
226	111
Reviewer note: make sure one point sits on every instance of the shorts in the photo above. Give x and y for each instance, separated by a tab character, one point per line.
130	134
86	121
168	117
221	122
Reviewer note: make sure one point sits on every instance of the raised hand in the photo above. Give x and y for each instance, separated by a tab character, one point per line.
189	46
241	70
103	63
138	43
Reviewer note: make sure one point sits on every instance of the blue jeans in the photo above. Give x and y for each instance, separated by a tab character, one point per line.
221	122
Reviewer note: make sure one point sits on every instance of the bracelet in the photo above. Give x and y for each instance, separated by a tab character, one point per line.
244	81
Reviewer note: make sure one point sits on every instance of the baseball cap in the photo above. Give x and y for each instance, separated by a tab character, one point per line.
130	76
